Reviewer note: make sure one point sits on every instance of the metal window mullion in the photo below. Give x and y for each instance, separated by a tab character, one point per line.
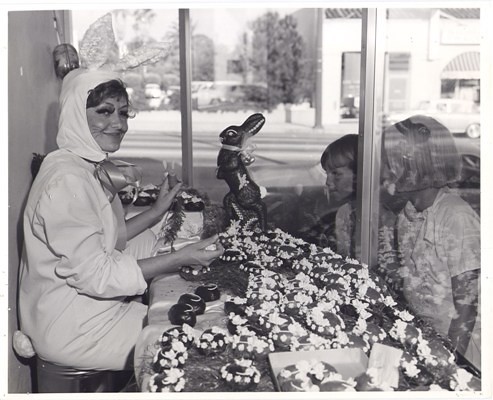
67	27
186	95
369	146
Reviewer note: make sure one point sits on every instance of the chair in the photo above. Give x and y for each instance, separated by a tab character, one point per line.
52	378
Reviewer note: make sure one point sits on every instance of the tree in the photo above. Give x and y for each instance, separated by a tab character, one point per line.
277	57
202	61
140	20
202	58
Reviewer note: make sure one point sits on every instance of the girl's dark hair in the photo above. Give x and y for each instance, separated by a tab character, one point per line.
111	89
341	153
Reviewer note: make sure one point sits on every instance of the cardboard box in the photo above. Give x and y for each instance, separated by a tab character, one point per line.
348	362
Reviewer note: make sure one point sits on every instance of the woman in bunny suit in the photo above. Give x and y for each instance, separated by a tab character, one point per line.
75	271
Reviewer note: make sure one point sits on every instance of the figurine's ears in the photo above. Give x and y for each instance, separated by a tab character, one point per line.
98	49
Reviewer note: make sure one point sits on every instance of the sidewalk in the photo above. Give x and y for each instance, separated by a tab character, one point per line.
202	121
147	124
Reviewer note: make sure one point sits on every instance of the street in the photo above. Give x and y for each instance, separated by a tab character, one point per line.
157	135
282	150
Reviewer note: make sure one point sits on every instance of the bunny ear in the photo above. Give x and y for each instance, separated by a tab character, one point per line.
148	54
98	43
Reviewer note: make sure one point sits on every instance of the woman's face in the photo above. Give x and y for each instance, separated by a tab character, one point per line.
340	183
108	123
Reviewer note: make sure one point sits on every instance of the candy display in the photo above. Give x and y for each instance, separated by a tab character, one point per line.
180	314
241	374
147	195
197	302
193	273
212	341
209	292
310	299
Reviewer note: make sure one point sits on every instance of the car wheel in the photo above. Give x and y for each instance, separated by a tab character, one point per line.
473	131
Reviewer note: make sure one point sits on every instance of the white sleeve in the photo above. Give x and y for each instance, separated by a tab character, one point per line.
70	214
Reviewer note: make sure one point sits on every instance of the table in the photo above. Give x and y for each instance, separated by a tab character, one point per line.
165	291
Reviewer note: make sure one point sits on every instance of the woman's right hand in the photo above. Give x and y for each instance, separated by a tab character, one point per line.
165	198
202	252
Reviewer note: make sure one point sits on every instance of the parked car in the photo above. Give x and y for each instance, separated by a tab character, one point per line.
349	108
154	95
210	93
459	116
228	95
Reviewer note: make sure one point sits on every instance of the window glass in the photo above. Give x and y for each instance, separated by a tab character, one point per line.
429	206
276	62
282	63
154	135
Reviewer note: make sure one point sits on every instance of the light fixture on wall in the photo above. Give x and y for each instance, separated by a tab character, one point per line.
65	55
65	58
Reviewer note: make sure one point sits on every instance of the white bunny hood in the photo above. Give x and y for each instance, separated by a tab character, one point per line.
73	130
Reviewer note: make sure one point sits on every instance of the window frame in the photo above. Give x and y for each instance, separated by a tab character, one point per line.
372	73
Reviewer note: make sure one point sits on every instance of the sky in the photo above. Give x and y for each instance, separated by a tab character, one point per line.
232	22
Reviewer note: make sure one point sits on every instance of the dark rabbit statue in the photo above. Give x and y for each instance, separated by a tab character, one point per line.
243	202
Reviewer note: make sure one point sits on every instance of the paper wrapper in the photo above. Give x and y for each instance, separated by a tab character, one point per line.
190	232
384	361
163	248
192	226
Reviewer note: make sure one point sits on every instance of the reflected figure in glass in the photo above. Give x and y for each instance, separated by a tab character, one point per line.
438	233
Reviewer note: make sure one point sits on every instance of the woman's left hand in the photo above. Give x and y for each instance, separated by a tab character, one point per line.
165	198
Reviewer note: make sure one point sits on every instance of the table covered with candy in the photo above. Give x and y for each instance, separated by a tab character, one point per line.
277	313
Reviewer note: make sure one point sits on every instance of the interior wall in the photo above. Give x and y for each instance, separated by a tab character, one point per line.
33	116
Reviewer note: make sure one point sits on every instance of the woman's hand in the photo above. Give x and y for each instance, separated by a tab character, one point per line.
165	198
201	253
145	220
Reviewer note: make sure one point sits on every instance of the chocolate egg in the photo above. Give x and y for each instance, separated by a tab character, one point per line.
208	292
197	302
194	206
180	314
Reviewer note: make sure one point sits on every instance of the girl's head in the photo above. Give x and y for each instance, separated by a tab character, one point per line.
339	160
419	153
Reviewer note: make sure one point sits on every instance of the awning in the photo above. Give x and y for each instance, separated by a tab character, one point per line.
463	66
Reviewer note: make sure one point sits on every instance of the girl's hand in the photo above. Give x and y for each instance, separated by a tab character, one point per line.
165	198
203	252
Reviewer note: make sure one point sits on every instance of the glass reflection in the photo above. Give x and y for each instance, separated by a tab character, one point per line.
430	170
269	62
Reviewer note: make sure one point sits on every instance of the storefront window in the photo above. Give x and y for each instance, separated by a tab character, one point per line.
154	134
282	63
429	187
267	63
350	91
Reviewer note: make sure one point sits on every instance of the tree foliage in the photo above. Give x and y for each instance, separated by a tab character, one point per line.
277	57
202	58
139	20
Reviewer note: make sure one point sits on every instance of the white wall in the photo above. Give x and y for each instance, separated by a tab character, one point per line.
33	115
